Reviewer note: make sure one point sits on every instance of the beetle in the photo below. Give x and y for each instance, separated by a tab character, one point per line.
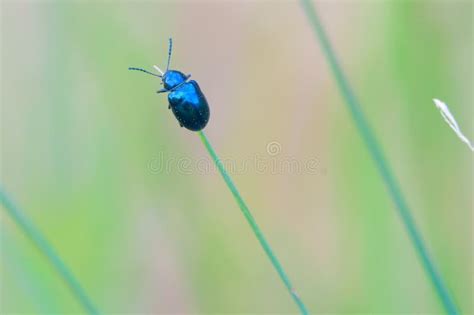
185	98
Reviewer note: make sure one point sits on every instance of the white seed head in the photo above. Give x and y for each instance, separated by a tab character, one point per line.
158	69
449	118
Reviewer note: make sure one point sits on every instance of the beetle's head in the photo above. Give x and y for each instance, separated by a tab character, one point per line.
173	78
170	78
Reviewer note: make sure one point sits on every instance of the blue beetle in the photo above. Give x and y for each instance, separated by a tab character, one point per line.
186	100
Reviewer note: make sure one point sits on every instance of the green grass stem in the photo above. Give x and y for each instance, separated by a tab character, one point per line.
46	249
253	224
381	163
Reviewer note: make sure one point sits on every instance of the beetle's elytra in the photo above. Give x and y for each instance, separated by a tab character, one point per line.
186	100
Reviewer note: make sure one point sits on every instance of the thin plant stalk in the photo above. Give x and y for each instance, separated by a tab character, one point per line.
47	250
381	163
253	224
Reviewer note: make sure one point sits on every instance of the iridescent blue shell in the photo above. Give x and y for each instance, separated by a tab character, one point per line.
189	105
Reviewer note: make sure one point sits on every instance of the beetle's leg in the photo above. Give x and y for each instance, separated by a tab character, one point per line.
162	91
188	76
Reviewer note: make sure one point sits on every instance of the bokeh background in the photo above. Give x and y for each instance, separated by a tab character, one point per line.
83	139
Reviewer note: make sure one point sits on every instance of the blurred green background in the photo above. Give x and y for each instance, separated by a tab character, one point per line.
83	140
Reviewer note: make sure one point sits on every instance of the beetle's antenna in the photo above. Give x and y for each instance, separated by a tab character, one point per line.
170	48
143	70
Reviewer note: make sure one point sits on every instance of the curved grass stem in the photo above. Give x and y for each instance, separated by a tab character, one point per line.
46	249
253	224
381	163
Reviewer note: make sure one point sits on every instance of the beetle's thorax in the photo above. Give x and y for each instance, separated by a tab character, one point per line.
173	78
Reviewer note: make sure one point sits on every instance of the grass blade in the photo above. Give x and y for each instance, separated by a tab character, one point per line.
381	163
46	249
253	224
